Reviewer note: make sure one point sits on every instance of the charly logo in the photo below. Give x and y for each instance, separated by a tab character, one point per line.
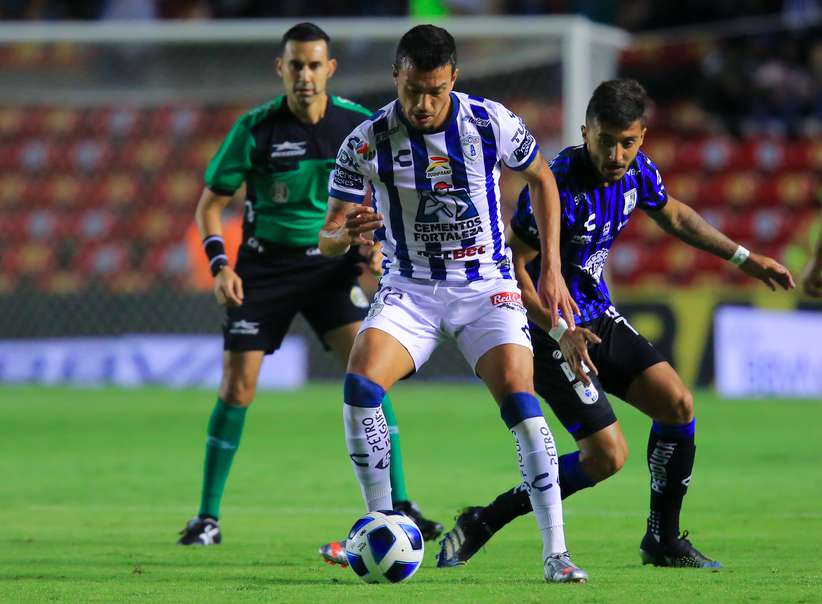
594	265
287	149
279	192
630	201
438	166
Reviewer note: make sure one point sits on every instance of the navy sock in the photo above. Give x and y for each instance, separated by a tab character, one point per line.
515	503
671	453
572	477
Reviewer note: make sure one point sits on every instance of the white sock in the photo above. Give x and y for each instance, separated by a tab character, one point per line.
539	468
369	446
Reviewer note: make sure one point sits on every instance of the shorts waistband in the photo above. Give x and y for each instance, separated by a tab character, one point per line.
267	249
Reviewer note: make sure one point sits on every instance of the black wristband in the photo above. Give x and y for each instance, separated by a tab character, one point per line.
215	251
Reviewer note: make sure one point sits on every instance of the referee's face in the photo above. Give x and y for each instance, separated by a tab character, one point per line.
612	149
305	69
425	96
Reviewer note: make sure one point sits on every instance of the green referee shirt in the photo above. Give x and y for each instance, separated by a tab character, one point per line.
285	165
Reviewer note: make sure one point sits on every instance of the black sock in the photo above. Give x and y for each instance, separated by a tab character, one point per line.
515	503
507	506
671	452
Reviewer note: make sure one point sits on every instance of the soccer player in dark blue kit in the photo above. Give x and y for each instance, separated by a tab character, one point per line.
601	184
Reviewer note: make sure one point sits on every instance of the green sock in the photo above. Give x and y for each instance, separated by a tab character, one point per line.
398	492
224	431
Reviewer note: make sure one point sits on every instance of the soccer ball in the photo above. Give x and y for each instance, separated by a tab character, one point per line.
384	547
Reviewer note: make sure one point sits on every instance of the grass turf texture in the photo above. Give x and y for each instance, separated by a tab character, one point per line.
96	483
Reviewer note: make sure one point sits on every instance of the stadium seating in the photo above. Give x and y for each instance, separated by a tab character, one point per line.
107	194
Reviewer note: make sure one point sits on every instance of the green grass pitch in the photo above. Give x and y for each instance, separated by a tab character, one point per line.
96	484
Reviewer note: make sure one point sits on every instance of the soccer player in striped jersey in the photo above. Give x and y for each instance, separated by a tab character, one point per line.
432	160
282	151
601	184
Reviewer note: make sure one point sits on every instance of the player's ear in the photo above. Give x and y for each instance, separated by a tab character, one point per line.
332	67
455	71
584	131
278	63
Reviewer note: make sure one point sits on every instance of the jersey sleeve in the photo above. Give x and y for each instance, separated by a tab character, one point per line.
350	177
227	169
652	194
516	145
523	223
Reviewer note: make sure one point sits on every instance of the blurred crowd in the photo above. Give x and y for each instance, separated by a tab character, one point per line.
634	15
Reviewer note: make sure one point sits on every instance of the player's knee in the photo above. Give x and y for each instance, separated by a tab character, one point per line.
359	391
681	407
608	462
238	390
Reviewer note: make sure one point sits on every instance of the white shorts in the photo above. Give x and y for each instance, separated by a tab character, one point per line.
478	315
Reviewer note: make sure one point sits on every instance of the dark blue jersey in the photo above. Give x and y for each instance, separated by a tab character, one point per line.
593	215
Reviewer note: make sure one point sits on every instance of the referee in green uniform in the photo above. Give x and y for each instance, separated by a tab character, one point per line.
283	151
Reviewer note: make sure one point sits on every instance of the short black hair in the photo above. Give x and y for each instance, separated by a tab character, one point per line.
426	47
618	103
304	32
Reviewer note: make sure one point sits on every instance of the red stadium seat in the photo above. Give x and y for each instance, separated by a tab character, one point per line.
31	259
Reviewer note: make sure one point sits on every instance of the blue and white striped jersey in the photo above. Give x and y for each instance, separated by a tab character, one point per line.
593	215
439	191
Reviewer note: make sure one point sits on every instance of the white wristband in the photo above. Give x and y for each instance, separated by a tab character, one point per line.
559	330
740	255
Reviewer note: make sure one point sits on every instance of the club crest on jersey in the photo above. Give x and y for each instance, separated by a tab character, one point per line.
279	192
587	394
470	146
287	149
630	201
438	167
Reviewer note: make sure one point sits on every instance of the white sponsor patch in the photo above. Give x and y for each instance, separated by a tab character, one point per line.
587	394
566	369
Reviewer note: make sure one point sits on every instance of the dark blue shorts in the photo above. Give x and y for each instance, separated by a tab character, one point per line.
620	358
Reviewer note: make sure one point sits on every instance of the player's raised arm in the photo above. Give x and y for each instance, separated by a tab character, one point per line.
228	287
545	200
347	224
686	224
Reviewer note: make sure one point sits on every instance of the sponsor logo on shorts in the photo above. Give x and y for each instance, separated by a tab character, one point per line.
288	149
245	328
508	300
587	394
